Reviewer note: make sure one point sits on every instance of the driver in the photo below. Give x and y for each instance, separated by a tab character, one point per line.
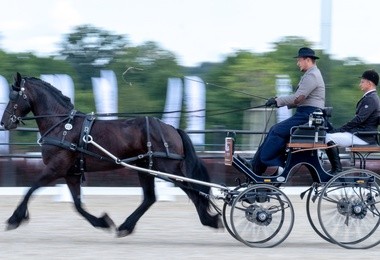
309	96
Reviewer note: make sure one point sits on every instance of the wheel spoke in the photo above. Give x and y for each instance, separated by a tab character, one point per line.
348	211
261	216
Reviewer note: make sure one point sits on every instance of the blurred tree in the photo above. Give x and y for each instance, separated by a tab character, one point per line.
247	75
344	91
89	49
143	87
283	54
242	81
30	65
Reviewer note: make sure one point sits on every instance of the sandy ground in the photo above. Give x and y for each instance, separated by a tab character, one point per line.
169	230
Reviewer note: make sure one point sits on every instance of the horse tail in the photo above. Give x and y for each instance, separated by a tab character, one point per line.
195	168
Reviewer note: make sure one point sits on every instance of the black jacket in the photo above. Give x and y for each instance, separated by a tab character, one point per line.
366	118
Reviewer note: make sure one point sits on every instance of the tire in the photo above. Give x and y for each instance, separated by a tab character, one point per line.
262	216
349	209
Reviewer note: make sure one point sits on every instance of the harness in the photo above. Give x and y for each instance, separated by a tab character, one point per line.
151	154
81	146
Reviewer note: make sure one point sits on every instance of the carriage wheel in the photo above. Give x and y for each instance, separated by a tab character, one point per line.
312	211
227	209
262	216
349	210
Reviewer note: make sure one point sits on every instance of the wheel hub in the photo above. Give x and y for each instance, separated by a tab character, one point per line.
343	206
359	210
258	215
355	208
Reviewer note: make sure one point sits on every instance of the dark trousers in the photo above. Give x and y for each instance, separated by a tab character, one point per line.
272	150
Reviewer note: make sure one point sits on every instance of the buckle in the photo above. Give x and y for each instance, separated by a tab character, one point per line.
73	147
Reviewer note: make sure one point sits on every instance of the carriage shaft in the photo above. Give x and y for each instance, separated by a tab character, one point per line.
90	140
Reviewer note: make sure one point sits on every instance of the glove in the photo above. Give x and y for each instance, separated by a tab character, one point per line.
272	101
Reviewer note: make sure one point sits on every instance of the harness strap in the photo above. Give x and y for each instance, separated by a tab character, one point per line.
149	143
86	129
166	145
85	133
69	125
69	118
150	153
72	147
172	156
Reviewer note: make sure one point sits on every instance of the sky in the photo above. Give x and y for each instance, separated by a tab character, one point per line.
195	30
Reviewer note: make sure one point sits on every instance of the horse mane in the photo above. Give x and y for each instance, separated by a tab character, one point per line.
53	91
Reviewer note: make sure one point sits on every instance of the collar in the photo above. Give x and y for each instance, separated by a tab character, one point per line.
368	92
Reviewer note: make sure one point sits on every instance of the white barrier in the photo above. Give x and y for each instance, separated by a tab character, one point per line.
61	193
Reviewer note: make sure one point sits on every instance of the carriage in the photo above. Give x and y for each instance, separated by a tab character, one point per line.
342	208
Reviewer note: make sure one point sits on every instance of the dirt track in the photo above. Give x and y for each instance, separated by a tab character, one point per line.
170	230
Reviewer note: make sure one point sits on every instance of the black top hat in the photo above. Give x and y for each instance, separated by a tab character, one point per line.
371	75
306	53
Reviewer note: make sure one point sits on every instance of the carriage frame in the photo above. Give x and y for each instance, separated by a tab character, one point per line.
342	209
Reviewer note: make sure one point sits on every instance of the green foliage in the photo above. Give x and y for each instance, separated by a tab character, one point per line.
89	49
243	80
143	72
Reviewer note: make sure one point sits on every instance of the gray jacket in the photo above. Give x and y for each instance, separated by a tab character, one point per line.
311	86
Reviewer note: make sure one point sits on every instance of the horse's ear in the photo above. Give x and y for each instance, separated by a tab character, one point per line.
17	79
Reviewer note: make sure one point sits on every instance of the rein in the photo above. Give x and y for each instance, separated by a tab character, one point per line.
47	116
229	89
210	113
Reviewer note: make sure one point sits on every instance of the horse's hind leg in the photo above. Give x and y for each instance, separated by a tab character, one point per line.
202	205
73	182
147	184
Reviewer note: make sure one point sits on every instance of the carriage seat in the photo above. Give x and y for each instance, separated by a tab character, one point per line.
312	134
362	152
305	136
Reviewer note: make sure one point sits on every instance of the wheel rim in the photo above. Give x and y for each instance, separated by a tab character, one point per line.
262	216
348	209
312	212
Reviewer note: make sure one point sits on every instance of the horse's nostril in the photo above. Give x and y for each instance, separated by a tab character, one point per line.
1	123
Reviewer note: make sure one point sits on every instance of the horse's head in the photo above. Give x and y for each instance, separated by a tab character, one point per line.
18	105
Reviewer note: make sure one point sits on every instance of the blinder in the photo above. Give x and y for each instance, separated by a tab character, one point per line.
14	94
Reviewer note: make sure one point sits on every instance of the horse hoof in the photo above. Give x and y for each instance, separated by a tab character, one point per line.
220	223
11	226
122	233
108	221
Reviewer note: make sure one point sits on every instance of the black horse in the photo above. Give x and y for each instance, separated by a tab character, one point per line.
144	141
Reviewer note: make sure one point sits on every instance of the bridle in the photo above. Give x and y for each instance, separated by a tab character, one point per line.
15	96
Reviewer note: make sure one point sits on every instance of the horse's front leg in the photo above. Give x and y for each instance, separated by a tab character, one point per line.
73	182
21	212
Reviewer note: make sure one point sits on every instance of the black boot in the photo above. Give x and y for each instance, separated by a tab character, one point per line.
257	166
333	155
